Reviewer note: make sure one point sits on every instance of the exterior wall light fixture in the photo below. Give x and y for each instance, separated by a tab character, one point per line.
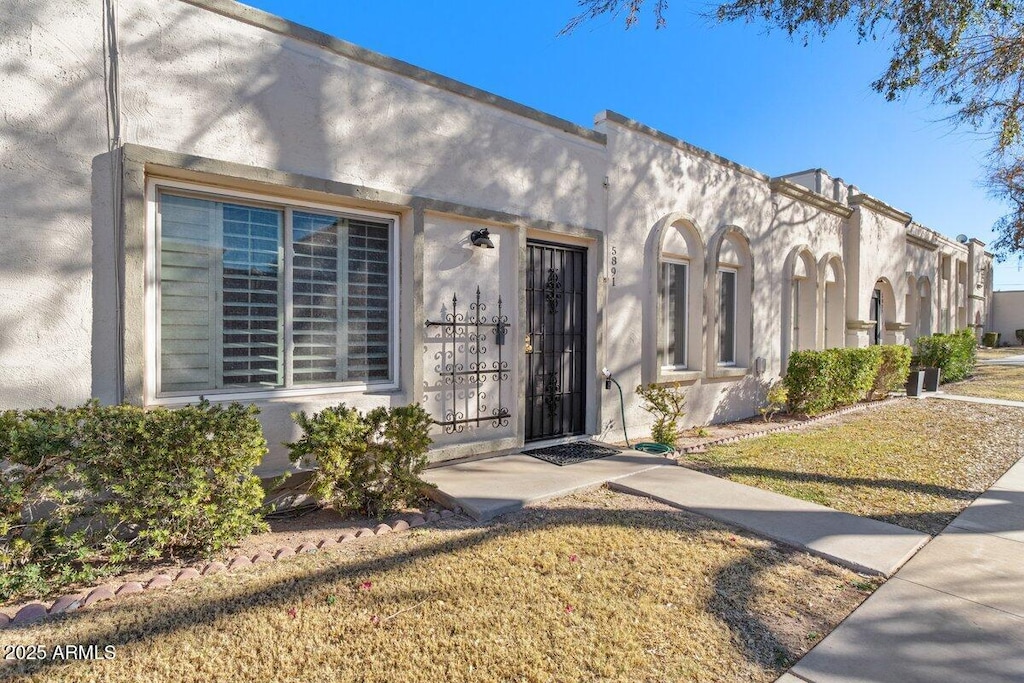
481	238
760	365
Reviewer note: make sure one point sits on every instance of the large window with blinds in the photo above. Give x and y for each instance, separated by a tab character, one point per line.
253	295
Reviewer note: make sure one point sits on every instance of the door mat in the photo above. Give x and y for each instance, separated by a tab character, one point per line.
572	453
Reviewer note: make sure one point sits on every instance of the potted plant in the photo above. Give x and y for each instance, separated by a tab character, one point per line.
915	377
933	351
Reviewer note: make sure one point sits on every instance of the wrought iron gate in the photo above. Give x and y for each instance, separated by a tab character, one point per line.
556	322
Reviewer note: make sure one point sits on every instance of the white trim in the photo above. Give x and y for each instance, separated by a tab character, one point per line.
152	395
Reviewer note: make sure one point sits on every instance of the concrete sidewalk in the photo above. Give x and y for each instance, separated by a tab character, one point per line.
955	612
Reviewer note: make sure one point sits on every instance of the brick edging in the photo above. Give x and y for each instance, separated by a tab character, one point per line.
36	611
788	427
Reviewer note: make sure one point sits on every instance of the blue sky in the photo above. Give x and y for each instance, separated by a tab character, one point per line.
753	96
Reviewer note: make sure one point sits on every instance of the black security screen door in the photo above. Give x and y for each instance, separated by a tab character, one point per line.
556	361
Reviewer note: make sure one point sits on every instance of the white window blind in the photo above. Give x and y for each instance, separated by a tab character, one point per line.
225	321
252	289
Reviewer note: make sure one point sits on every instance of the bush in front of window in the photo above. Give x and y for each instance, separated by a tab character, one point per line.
364	463
817	381
892	373
955	354
665	402
776	399
84	490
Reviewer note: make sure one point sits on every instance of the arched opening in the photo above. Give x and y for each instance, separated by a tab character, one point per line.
833	302
799	305
882	311
680	293
731	285
673	310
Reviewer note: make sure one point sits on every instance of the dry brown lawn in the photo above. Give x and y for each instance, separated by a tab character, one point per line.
913	463
597	586
992	381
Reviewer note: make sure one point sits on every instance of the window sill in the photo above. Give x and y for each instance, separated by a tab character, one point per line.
267	396
730	371
679	375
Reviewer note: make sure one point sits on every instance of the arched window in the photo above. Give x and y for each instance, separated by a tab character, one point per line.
833	308
674	318
730	304
800	302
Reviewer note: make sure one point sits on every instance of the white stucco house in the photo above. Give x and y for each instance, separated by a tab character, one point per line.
201	199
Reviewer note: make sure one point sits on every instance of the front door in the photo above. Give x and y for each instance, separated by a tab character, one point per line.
556	321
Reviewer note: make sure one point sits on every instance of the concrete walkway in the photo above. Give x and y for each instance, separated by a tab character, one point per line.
975	399
865	545
1005	360
495	486
955	612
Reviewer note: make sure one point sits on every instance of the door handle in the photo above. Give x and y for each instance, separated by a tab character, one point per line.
528	348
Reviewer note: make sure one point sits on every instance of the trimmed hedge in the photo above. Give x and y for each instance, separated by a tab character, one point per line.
955	354
817	381
892	373
85	489
368	463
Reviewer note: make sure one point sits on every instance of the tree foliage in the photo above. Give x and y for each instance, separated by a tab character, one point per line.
968	54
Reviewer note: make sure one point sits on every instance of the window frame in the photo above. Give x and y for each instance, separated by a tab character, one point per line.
153	394
666	324
735	272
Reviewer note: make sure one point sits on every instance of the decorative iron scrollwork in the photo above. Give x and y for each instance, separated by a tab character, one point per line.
553	290
463	365
552	394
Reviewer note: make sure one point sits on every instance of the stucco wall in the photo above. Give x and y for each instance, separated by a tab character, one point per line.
213	92
52	183
654	184
194	82
1007	315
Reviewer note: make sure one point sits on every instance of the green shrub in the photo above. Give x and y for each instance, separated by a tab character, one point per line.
955	354
990	339
85	489
1020	336
776	399
665	402
368	463
893	370
817	381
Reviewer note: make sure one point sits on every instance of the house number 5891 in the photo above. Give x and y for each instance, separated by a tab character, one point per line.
614	263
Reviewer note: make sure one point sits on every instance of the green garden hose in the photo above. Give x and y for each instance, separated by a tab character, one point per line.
650	447
622	405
